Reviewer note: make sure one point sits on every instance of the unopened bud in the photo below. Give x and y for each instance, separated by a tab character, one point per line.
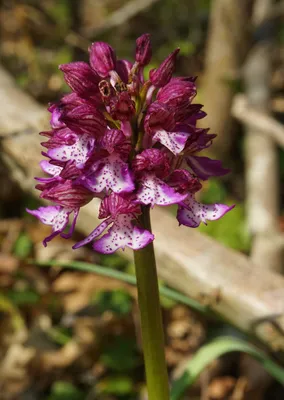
160	76
102	58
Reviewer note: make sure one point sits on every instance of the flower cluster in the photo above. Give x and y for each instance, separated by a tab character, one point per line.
129	141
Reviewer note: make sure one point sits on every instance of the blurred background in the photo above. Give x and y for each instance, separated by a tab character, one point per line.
74	335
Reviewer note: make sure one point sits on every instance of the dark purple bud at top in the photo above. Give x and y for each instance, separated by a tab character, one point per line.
123	68
85	119
159	116
81	78
122	107
67	194
183	181
114	141
115	204
102	58
152	160
143	50
160	76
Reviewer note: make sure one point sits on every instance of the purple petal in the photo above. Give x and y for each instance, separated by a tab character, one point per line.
96	232
174	141
116	204
154	191
56	216
77	152
193	213
85	118
123	68
110	173
50	169
80	77
56	113
72	227
123	234
46	215
204	167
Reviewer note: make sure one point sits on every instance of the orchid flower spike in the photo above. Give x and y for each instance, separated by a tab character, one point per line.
128	141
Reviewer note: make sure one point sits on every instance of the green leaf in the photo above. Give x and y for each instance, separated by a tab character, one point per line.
63	56
117	385
217	348
118	301
124	277
121	355
65	391
113	261
24	297
7	307
60	11
60	335
214	192
23	246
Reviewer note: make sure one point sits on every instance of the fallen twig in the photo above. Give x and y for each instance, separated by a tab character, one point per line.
188	261
120	17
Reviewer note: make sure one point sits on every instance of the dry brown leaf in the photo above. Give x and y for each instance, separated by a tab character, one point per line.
15	362
8	264
80	287
61	358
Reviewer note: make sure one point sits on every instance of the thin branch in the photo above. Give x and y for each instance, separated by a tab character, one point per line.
120	17
257	120
276	11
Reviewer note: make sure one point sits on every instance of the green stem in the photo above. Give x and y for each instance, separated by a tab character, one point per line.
151	318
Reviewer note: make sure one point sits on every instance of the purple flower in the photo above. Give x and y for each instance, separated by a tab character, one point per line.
160	125
191	213
58	218
128	141
151	166
78	151
108	169
120	212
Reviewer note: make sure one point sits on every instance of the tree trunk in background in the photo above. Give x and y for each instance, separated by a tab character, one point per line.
261	152
226	46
